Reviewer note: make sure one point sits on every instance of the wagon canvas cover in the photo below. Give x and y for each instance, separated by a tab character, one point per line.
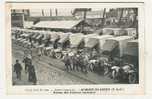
76	39
91	42
63	37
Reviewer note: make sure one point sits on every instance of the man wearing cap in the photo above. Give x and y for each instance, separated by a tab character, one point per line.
18	69
31	74
27	61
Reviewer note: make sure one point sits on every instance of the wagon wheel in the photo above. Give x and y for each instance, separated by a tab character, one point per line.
132	78
58	55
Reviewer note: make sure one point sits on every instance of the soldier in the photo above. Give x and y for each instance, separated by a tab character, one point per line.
27	61
75	62
80	62
85	64
67	62
18	69
55	44
32	75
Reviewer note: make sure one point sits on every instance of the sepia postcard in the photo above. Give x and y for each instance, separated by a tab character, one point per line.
76	48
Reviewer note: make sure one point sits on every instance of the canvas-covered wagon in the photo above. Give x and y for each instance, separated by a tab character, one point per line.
116	46
63	44
77	40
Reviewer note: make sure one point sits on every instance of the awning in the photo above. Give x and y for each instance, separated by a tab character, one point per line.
109	45
57	24
91	42
76	39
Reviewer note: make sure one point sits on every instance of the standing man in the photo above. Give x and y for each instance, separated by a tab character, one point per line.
67	62
18	69
75	62
27	61
31	74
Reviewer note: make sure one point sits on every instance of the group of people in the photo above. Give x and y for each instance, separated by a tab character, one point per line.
82	61
114	68
29	70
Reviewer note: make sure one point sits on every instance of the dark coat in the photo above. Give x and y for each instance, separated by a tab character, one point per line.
17	67
32	74
27	61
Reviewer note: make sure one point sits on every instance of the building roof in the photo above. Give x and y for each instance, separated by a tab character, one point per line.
57	24
121	38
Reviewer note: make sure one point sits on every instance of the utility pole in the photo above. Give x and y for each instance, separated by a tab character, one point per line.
42	12
103	18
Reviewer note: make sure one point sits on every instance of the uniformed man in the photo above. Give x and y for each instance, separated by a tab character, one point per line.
27	61
18	69
67	62
32	75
